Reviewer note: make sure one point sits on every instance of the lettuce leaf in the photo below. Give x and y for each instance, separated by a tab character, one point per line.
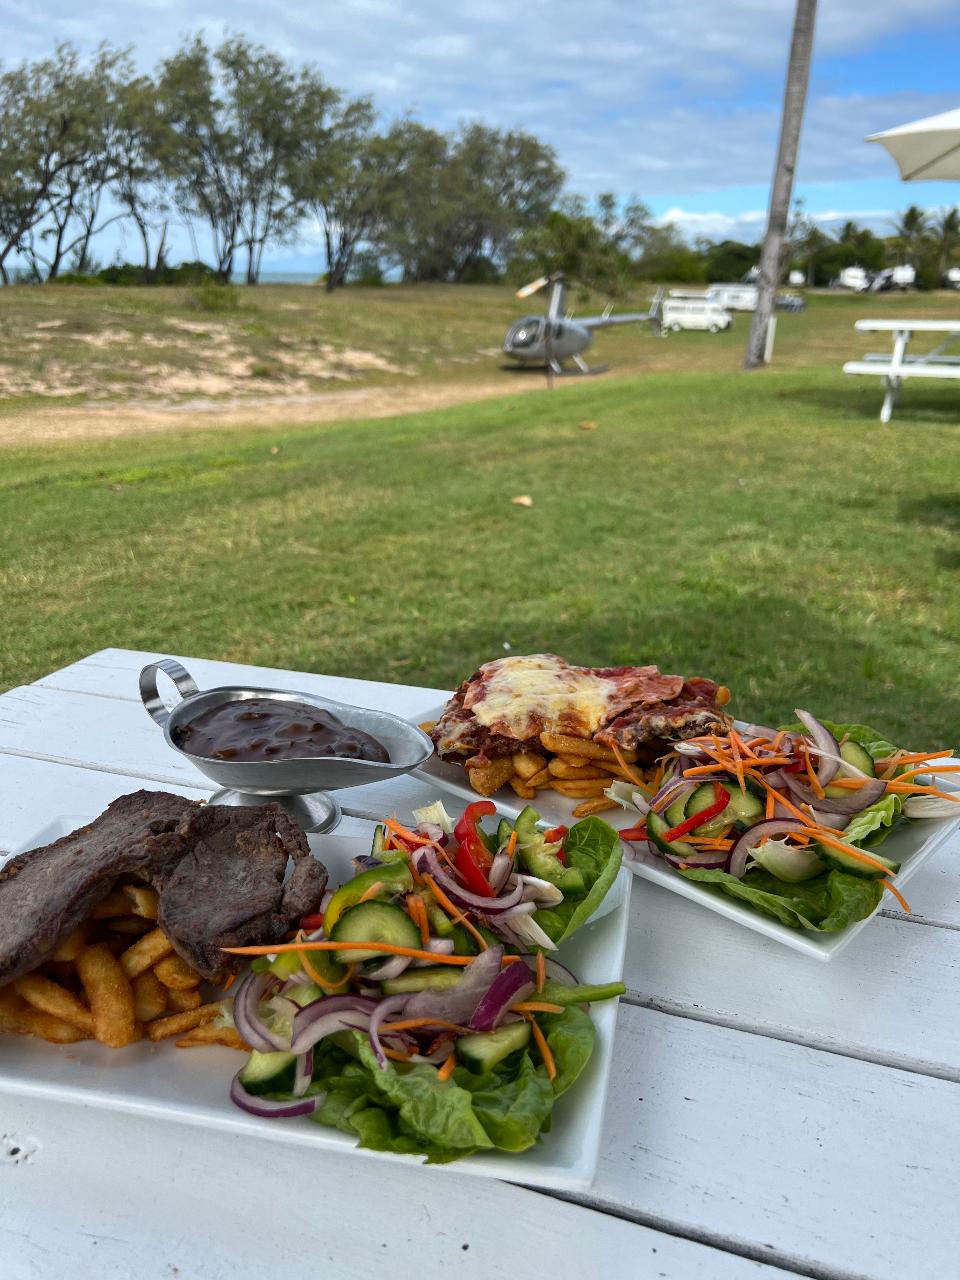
874	743
826	904
871	826
594	848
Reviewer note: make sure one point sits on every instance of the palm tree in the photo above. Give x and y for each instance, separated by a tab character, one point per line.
910	230
945	234
794	98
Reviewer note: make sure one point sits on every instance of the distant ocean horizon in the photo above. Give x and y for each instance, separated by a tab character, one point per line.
281	277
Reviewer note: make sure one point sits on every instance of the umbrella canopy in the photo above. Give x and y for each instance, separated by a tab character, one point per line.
925	149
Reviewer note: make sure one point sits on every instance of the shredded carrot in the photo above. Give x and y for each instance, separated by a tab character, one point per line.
701	770
538	1006
372	892
634	777
541	971
447	1070
229	982
922	768
456	915
395	1055
417	910
743	747
737	763
771	805
417	877
899	788
405	833
775	745
512	844
823	838
544	1048
781	799
888	884
410	1024
818	790
720	845
910	757
318	978
388	948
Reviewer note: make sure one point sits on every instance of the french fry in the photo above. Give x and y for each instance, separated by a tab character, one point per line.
562	744
145	952
578	762
615	769
135	925
180	1001
491	777
600	805
524	791
47	1027
108	990
428	726
149	996
560	769
541	779
69	948
177	1023
114	904
145	901
527	763
582	790
209	1034
175	972
12	1007
40	993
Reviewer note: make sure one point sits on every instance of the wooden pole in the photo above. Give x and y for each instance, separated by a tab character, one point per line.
794	99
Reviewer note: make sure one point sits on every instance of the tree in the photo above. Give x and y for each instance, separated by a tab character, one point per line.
141	184
910	232
234	117
945	234
729	260
794	99
55	155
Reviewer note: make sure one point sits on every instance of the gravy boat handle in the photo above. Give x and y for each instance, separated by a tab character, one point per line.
181	677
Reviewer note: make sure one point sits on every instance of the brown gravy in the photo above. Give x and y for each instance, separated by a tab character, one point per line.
263	729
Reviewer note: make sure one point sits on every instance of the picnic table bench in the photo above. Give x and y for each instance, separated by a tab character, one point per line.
899	365
768	1117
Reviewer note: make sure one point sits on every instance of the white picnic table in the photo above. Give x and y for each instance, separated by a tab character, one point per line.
896	366
768	1116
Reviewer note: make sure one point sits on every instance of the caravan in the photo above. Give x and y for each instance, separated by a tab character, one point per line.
693	311
735	297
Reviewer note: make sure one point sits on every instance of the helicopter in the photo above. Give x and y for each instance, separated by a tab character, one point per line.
555	337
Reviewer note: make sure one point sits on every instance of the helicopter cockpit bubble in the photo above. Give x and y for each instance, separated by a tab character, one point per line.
524	333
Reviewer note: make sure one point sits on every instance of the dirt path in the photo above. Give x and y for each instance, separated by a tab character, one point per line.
45	425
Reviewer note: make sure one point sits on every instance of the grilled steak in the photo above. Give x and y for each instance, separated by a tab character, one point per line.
46	893
227	889
219	873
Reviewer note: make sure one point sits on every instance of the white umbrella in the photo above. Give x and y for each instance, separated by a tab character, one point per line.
925	149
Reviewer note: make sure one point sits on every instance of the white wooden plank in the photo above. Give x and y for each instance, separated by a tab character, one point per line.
893	996
817	1162
33	792
133	1198
115	672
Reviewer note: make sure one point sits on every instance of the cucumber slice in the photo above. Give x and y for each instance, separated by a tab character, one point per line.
268	1072
741	807
841	861
373	921
657	829
854	754
438	978
676	812
484	1050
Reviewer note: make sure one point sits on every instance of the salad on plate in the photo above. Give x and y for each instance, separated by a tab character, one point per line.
422	1010
788	821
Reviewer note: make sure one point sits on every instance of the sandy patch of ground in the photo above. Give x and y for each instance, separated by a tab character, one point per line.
49	424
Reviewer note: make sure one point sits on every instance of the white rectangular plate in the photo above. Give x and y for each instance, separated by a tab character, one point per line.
190	1086
910	844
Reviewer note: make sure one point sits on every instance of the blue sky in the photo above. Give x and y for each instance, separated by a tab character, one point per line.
676	102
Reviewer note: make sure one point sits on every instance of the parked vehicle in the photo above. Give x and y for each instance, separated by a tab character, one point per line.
790	302
734	297
854	278
693	311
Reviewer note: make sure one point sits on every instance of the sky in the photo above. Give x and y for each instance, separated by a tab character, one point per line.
676	101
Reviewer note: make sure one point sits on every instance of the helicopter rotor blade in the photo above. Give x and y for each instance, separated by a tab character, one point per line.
533	287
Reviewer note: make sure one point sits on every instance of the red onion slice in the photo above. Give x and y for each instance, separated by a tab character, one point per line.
392	1004
391	968
325	1017
693	859
246	1014
303	1074
271	1108
753	836
823	741
426	860
871	791
509	986
675	789
500	870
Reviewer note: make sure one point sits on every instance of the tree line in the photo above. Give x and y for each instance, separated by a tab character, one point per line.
250	147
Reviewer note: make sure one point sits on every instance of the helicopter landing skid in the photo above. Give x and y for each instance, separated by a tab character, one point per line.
582	370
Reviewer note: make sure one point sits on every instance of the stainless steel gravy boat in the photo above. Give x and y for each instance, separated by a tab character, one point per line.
249	781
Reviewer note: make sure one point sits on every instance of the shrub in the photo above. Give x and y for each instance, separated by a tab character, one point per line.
210	295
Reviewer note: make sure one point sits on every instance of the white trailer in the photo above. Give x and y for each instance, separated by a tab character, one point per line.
734	297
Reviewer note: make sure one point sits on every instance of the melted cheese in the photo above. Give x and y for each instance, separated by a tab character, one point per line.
522	696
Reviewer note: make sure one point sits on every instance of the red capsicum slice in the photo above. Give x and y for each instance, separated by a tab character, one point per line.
557	835
472	858
701	818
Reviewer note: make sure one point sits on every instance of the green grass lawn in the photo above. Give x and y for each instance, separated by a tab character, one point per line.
764	530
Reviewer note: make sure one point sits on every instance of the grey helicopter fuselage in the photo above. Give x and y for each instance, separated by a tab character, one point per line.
552	338
530	341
